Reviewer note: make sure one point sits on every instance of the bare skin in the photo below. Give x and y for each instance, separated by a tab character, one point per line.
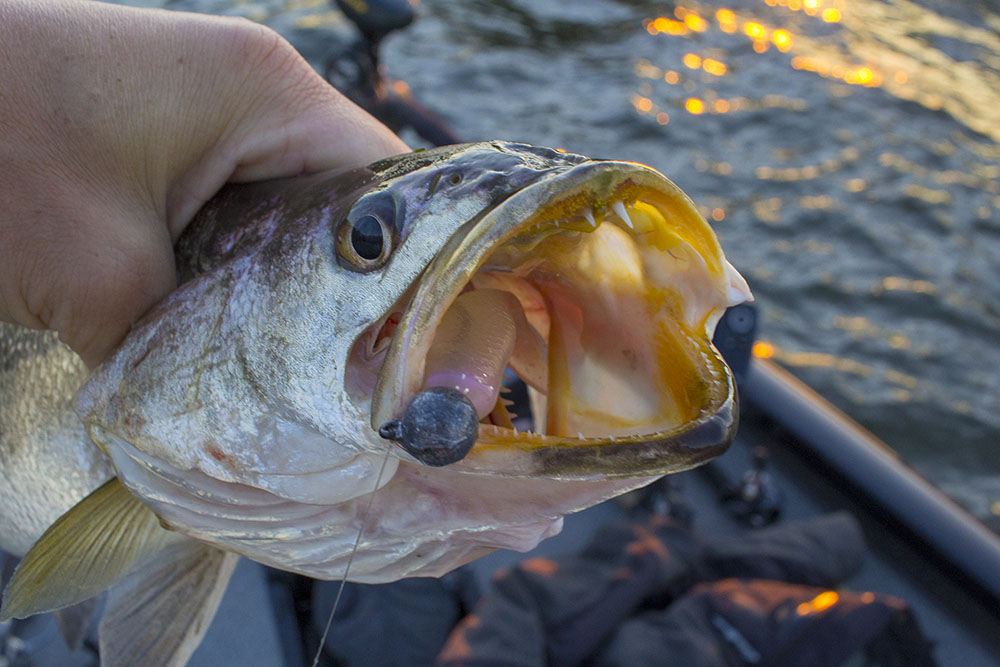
116	125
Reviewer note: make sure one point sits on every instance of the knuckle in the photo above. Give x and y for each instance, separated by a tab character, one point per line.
261	51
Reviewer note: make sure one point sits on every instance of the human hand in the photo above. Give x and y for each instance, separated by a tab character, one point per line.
117	125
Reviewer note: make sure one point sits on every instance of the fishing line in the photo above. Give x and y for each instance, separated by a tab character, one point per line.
350	559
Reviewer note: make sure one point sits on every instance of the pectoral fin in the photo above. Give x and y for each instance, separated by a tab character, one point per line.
102	539
7	564
159	614
74	621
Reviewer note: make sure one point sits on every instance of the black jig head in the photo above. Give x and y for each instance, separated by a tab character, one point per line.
439	427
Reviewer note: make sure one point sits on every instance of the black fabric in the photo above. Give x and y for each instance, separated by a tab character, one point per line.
760	622
403	623
633	597
820	552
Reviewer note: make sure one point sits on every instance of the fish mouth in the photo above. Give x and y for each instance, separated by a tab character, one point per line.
599	288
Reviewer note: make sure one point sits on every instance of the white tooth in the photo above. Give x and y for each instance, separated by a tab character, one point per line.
515	429
588	215
579	435
620	211
737	291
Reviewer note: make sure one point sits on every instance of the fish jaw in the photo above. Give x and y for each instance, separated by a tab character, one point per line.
421	522
646	275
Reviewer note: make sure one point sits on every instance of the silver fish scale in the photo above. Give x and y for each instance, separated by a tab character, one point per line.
47	463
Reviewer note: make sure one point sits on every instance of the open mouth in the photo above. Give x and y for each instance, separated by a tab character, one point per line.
599	289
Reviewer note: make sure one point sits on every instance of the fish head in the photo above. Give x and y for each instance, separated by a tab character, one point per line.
246	408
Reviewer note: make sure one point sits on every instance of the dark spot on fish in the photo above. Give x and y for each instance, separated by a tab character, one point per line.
135	421
217	454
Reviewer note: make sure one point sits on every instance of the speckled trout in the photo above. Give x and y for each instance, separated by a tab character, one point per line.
268	408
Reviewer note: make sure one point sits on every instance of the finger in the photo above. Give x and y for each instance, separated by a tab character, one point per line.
328	131
132	279
90	273
289	122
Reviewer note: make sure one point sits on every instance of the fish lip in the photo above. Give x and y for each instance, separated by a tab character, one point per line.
600	183
686	446
696	443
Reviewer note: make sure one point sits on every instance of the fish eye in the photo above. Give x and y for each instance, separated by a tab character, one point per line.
364	241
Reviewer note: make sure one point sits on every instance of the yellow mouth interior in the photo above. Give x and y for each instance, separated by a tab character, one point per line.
602	311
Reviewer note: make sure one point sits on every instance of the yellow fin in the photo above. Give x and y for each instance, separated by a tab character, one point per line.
88	549
157	616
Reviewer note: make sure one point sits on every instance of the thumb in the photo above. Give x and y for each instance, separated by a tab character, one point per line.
290	121
92	272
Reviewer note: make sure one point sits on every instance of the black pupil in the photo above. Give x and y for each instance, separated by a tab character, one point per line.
366	237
